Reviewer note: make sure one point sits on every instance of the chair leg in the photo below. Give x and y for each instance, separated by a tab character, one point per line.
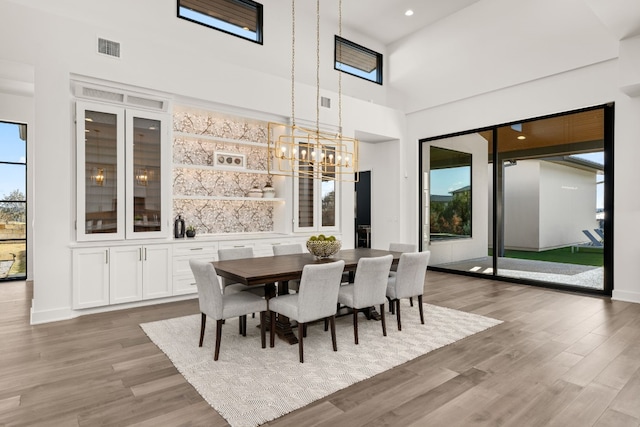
398	314
326	324
218	338
392	307
411	301
240	325
332	322
263	328
304	330
384	323
355	325
300	346
243	322
203	324
272	328
420	308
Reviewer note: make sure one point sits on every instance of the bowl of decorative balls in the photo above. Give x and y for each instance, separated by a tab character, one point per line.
323	246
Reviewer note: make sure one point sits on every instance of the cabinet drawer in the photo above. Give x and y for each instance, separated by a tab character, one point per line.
194	249
181	263
230	245
184	285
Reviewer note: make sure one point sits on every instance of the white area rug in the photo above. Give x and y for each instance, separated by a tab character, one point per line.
249	385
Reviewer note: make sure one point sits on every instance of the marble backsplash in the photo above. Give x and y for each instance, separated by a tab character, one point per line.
193	175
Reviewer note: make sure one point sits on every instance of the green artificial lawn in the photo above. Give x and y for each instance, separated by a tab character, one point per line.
585	256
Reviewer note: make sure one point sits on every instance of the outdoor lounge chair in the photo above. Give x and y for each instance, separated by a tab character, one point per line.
599	232
593	242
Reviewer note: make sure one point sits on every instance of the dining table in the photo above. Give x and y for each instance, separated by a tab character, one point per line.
274	272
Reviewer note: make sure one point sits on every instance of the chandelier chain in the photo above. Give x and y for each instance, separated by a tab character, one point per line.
293	62
340	73
317	66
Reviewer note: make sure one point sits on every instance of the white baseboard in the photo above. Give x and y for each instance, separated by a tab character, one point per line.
68	313
39	317
626	296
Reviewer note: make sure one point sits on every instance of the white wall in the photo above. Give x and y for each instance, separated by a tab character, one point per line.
522	205
567	205
161	55
476	246
17	106
383	160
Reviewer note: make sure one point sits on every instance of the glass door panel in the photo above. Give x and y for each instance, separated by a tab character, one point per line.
552	172
100	158
145	164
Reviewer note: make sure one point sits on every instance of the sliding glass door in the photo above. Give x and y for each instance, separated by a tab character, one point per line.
548	203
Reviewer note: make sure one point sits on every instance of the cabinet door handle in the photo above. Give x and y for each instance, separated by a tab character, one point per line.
106	256
193	284
145	254
139	254
196	249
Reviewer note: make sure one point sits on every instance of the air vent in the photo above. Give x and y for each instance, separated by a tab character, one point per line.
109	47
90	92
325	102
145	102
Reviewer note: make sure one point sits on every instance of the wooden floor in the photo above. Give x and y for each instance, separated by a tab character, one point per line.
558	359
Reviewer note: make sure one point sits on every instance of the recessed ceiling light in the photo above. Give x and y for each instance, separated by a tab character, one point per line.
409	12
522	137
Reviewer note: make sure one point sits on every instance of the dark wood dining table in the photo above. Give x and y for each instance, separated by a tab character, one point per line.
278	270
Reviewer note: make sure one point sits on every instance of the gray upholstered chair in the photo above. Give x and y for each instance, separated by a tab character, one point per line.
289	249
228	285
401	247
231	254
316	299
408	281
368	289
219	307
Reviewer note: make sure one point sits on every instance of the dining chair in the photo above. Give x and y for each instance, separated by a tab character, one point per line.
316	299
408	281
289	249
368	289
401	247
218	306
229	285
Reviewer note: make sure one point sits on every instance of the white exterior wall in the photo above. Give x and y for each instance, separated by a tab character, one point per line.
522	205
567	205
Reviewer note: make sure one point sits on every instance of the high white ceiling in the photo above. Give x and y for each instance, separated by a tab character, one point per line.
385	20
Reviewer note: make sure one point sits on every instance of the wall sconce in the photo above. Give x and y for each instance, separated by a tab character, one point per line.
98	176
142	177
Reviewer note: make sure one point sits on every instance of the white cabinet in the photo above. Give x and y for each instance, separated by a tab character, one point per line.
90	277
183	280
120	274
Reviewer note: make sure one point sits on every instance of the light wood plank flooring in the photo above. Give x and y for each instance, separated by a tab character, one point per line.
559	359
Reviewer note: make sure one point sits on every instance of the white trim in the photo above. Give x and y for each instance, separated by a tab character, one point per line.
628	296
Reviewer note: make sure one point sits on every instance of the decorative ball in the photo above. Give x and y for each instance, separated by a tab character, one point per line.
323	248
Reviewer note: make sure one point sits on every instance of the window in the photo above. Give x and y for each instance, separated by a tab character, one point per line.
13	201
450	194
316	200
357	60
242	18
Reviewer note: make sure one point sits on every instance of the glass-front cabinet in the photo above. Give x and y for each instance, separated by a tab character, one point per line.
145	160
120	164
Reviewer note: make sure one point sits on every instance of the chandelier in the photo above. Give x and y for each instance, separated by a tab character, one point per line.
301	151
